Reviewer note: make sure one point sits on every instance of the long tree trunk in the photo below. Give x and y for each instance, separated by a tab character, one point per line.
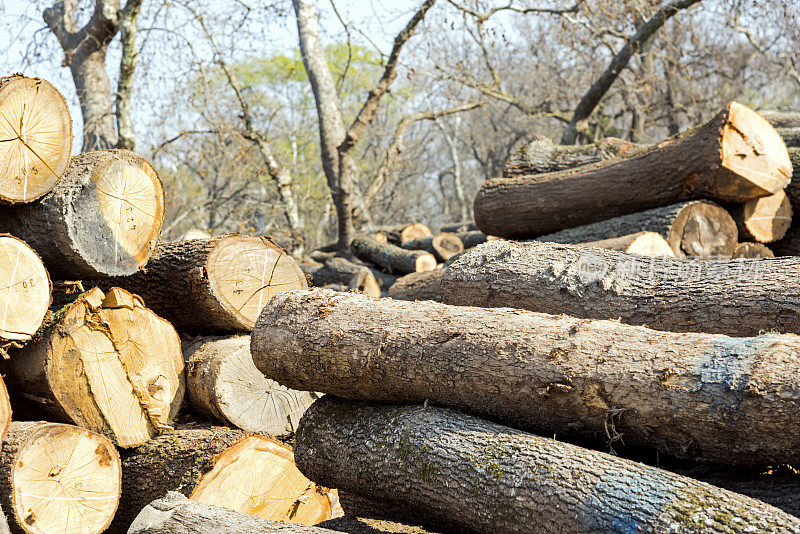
223	384
216	285
175	514
104	362
738	298
719	160
693	229
58	478
24	292
35	138
676	392
477	476
102	219
392	258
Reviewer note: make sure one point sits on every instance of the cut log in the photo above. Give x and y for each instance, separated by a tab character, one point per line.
216	285
459	227
764	219
369	525
397	235
752	250
223	384
257	476
175	514
5	414
443	245
341	271
106	363
365	282
735	157
418	286
58	478
671	391
734	297
541	155
477	476
102	219
194	233
782	119
35	138
790	136
641	244
385	280
24	292
697	229
392	258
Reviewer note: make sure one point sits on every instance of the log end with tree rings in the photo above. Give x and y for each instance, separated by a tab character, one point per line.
106	363
63	478
703	230
765	219
752	250
447	245
257	476
117	217
35	138
640	244
755	160
245	272
24	291
414	231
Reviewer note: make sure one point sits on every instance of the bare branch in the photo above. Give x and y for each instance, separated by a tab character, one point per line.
516	9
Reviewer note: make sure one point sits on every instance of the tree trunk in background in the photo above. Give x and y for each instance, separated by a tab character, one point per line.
127	68
476	476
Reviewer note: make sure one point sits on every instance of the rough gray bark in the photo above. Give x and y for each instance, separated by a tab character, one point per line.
223	384
85	54
693	229
175	514
72	227
688	395
793	189
418	286
736	297
541	155
718	160
482	477
392	258
782	119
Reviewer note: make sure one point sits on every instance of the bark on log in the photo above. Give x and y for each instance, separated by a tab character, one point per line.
483	477
782	119
790	136
223	384
764	219
369	525
541	155
175	514
697	229
418	286
213	286
789	245
719	160
24	292
752	250
106	363
102	219
697	396
397	235
392	258
459	227
443	245
472	239
220	466
37	138
641	244
58	478
734	297
793	189
344	272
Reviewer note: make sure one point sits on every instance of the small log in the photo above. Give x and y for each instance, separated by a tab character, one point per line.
697	229
102	219
392	258
719	160
105	363
175	514
764	219
472	239
37	138
385	280
541	155
734	297
365	282
640	243
443	245
212	286
477	476
752	250
671	391
25	295
418	286
194	233
397	235
223	384
58	478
